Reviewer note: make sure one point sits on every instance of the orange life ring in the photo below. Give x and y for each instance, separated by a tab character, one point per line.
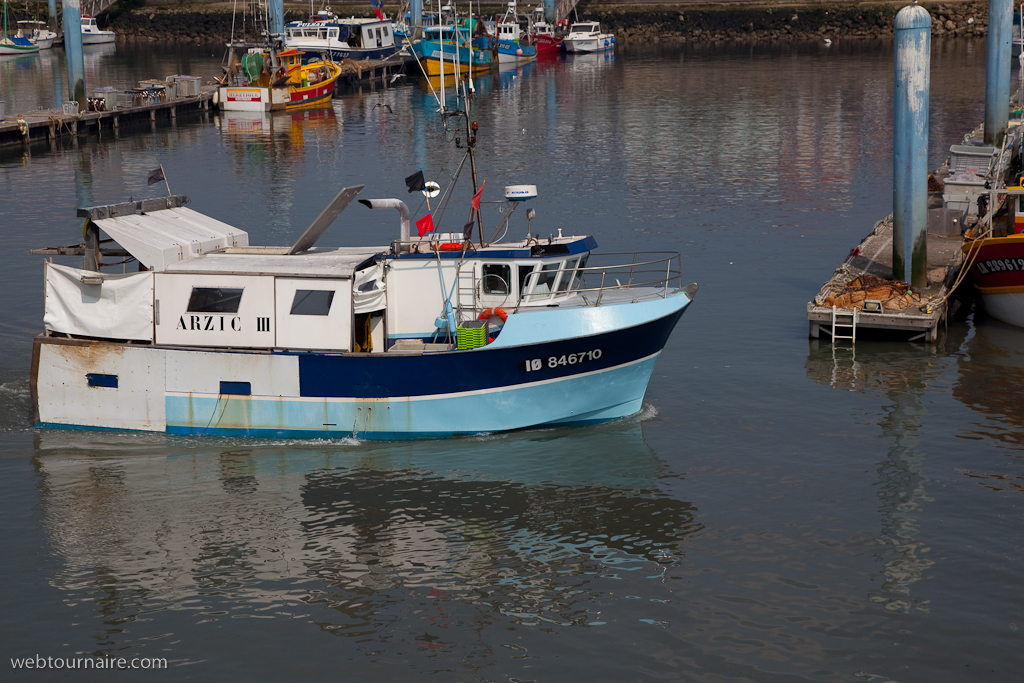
489	312
451	246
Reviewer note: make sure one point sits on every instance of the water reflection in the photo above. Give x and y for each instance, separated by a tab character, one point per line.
991	373
902	373
515	528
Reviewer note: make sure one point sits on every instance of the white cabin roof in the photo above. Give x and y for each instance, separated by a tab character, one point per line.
338	262
161	238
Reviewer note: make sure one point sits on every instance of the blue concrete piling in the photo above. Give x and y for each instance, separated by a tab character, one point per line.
73	52
277	17
997	70
549	11
53	15
910	146
416	20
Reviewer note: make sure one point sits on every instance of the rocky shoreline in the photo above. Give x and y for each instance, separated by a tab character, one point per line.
630	24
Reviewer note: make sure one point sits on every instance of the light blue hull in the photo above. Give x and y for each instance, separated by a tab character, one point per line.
579	399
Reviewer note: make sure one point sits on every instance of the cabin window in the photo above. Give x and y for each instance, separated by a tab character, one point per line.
563	283
385	30
524	278
496	279
312	302
544	283
577	276
236	388
333	33
214	300
99	380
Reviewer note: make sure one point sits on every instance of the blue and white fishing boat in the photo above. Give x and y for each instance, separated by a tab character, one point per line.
426	337
450	51
513	42
336	39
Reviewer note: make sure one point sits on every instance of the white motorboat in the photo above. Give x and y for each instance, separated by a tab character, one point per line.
586	36
92	34
38	32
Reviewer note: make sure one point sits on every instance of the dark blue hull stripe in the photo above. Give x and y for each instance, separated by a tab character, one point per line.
388	375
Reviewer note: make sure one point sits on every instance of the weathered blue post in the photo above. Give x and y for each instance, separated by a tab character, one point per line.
549	11
416	20
997	70
73	53
910	147
53	16
277	17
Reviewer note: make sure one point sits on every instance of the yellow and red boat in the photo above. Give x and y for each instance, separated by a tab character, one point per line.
254	84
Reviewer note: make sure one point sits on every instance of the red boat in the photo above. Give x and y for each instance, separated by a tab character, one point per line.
542	34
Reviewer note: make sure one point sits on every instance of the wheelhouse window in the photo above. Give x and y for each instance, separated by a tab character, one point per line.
214	300
312	302
567	275
496	279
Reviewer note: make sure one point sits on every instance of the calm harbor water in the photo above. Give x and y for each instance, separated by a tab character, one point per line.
779	511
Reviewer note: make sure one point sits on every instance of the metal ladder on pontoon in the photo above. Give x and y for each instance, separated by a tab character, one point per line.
844	319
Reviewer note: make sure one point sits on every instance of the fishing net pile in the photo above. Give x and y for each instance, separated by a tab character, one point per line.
895	296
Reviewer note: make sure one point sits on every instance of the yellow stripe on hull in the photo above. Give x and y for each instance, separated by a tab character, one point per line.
433	67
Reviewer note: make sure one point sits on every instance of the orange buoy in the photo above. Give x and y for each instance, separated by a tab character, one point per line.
490	312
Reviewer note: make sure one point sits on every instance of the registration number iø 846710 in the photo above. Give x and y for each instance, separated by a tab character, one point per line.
535	364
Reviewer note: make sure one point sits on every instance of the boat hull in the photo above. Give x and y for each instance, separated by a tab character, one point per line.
998	272
548	46
98	38
510	52
438	60
588	45
503	386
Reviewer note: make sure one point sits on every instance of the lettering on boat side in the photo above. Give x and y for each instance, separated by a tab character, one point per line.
217	323
1000	265
535	364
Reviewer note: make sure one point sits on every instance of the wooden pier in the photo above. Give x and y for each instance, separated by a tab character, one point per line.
860	294
53	124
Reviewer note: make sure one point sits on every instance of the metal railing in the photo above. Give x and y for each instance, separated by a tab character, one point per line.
653	273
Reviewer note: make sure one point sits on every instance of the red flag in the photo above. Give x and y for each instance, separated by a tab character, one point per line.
425	224
380	17
476	197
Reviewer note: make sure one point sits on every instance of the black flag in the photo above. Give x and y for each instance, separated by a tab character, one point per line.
467	231
156	175
415	182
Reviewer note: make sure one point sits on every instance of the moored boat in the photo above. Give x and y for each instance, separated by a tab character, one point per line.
543	36
446	50
586	36
266	80
37	32
16	44
337	39
92	34
215	336
513	43
997	263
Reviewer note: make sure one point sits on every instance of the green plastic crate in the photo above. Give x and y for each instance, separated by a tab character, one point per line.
472	335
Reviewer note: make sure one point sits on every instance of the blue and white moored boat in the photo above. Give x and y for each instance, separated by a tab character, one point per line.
336	39
426	337
513	42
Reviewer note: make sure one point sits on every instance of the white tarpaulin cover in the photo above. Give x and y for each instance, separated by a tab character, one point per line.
119	308
368	293
167	236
